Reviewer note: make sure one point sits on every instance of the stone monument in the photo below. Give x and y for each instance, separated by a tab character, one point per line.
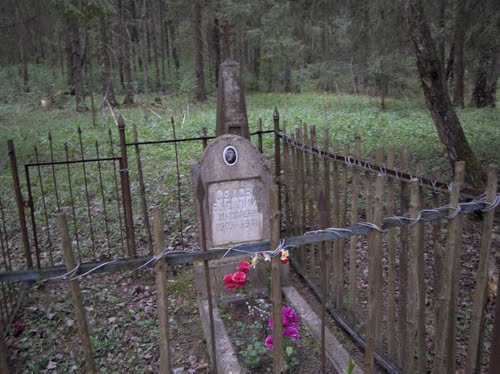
235	182
231	108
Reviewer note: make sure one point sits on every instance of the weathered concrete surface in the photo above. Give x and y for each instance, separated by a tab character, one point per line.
235	201
334	350
227	362
231	108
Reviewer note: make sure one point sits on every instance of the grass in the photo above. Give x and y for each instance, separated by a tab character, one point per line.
405	122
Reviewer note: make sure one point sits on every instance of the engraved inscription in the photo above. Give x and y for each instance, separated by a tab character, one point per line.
234	212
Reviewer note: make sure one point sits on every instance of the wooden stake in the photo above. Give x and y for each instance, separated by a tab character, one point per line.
4	365
477	321
323	211
274	221
200	195
445	340
161	290
403	265
76	295
414	287
353	249
391	274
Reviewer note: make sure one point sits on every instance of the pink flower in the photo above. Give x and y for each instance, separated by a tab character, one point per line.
269	342
239	279
228	282
292	332
244	267
289	317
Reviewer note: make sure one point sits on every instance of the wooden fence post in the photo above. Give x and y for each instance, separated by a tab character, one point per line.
76	294
391	273
403	265
161	290
200	195
4	365
416	290
126	194
274	216
277	152
20	203
445	343
353	243
374	279
477	323
323	205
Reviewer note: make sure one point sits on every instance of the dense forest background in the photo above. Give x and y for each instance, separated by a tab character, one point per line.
122	49
125	47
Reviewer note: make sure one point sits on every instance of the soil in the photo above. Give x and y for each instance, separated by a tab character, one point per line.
246	325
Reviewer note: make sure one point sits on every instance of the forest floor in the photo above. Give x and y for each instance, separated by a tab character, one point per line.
122	314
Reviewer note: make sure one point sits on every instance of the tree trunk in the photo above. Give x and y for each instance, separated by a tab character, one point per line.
76	65
216	47
436	95
484	93
125	56
175	54
288	76
200	93
107	84
459	43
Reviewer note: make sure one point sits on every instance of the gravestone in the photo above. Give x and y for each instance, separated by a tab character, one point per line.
233	206
231	108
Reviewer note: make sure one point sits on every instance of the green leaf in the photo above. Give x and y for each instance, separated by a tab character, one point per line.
289	350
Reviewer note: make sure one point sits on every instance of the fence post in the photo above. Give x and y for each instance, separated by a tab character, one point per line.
4	365
161	290
323	207
259	135
126	195
274	215
477	323
277	153
76	294
204	136
445	341
20	203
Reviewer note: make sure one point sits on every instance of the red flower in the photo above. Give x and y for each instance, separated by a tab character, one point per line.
239	279
244	267
228	282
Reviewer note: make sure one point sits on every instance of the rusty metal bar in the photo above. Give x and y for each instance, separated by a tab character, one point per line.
20	203
127	198
31	205
72	204
204	137
179	200
45	214
259	135
4	241
115	177
86	189
53	172
150	142
366	165
101	187
142	192
87	160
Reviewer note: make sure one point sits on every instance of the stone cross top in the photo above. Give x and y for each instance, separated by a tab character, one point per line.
231	108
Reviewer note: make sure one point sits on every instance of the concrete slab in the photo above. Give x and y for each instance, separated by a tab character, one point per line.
335	352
